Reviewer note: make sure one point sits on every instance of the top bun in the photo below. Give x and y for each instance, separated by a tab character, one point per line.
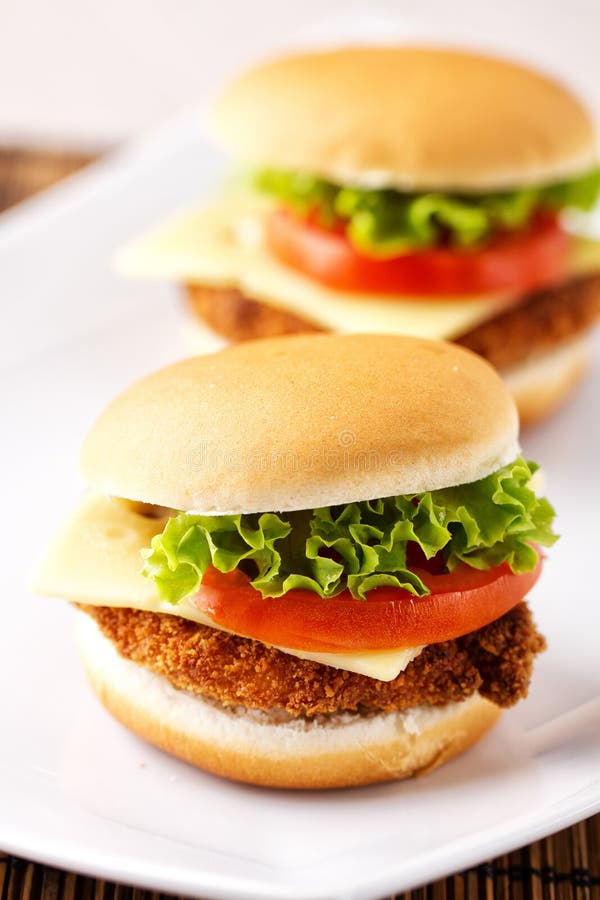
301	422
415	118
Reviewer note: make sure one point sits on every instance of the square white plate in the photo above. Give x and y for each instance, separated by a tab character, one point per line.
79	791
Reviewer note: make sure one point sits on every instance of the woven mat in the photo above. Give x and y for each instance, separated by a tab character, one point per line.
565	866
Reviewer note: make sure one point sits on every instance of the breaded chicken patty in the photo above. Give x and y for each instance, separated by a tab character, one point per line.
535	325
495	660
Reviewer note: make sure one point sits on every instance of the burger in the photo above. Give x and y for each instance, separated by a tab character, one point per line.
303	561
408	190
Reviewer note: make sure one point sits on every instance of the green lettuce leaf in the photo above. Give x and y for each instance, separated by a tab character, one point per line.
386	222
359	546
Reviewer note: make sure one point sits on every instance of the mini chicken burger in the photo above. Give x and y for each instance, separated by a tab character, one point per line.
407	190
304	561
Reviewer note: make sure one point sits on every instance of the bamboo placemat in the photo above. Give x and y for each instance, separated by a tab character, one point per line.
565	866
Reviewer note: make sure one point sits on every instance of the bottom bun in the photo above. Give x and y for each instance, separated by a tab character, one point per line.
273	749
542	383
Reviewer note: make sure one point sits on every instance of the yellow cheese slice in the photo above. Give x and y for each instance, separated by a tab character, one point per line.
222	245
585	256
95	559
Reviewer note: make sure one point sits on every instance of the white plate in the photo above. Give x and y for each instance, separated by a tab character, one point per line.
79	791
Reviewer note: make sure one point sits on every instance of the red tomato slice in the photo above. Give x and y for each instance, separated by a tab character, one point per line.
391	618
532	258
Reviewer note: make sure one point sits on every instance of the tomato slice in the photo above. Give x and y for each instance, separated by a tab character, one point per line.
391	618
531	258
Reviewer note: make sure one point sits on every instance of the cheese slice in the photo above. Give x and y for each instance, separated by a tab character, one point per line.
537	483
222	245
95	559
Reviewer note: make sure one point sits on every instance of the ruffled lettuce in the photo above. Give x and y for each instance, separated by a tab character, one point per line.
387	222
359	546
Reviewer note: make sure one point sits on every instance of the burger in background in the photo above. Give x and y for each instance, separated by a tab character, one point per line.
410	190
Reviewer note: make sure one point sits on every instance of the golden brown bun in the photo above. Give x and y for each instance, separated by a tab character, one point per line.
246	746
540	385
417	118
305	421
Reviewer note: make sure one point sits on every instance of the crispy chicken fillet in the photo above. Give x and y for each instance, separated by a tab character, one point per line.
496	661
238	318
536	324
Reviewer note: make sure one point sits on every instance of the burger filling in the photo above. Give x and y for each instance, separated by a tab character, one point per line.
423	243
281	260
495	660
404	542
292	613
541	322
387	222
375	606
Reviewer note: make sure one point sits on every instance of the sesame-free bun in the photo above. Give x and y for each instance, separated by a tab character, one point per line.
415	118
339	751
301	422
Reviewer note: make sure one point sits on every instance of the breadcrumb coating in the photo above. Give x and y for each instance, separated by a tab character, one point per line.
495	660
536	324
